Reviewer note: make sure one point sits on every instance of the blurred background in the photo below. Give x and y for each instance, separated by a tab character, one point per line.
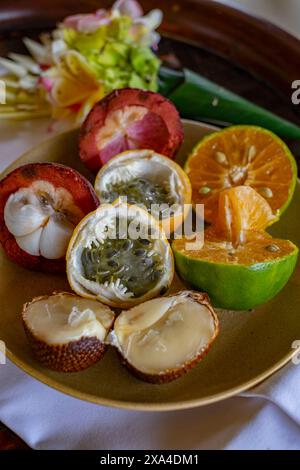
284	13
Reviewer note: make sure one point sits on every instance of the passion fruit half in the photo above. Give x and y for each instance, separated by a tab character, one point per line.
119	255
161	339
149	179
128	119
67	333
40	205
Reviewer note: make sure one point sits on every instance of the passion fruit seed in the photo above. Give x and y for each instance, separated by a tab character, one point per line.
273	248
130	261
139	191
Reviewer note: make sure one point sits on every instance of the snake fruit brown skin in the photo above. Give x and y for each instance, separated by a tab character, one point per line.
73	356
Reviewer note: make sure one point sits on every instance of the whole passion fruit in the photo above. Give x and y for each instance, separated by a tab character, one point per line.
129	119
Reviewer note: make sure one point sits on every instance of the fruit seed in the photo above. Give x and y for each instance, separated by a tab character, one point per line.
205	190
266	192
273	248
251	153
221	157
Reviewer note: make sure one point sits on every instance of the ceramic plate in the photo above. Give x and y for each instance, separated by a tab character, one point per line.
251	345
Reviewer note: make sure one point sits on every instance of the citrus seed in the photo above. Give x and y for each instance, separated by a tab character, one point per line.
221	157
266	192
272	248
251	153
204	190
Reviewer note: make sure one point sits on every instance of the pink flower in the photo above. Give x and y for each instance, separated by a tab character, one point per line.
88	23
47	83
128	8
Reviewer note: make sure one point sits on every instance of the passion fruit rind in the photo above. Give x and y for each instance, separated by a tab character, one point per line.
169	375
73	356
149	179
81	200
113	291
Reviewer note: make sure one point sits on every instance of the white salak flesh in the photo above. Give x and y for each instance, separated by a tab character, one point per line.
42	219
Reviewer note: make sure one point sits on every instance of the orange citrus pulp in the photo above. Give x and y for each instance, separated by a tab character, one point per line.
241	155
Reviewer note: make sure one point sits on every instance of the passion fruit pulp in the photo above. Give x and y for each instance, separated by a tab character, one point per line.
125	261
119	255
127	119
147	178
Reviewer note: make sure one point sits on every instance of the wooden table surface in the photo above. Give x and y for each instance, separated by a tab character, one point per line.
242	53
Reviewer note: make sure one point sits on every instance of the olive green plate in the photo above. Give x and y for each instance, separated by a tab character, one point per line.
251	345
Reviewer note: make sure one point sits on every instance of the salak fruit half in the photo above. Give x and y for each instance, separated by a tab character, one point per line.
119	255
163	338
67	333
129	119
147	178
40	205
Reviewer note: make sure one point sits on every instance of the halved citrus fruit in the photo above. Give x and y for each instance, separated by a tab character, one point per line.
241	277
239	265
241	155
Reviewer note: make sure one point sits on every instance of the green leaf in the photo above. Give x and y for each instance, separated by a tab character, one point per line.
198	98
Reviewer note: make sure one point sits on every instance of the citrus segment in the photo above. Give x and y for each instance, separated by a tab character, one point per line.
242	210
241	155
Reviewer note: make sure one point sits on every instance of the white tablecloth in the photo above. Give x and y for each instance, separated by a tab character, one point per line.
265	418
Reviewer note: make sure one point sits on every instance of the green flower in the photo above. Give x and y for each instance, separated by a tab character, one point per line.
144	61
